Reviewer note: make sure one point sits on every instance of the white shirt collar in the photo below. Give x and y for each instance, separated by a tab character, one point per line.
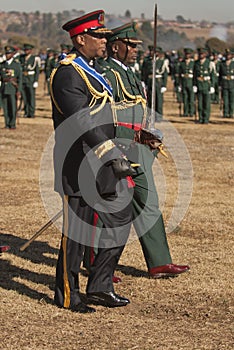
120	63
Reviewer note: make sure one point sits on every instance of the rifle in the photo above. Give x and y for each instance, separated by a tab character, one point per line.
153	107
195	107
221	105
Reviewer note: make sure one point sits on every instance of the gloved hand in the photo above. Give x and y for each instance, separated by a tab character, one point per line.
179	88
163	89
35	84
195	89
122	168
212	90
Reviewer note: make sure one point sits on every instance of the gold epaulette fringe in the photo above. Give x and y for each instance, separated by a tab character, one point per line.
130	100
96	95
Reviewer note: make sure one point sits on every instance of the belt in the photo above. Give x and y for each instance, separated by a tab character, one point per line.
30	72
228	77
187	75
135	127
203	78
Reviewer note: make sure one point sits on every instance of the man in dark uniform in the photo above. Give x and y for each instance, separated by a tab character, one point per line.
31	72
217	62
131	114
186	82
226	81
161	75
203	84
78	93
11	87
50	64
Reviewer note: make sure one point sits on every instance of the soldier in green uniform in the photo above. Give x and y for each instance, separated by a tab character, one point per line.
203	84
217	62
186	82
161	74
131	113
50	64
175	76
226	81
11	87
31	72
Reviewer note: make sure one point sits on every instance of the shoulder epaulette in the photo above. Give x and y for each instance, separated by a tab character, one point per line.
68	59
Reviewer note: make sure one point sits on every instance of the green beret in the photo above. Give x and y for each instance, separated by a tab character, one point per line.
126	33
180	54
28	46
159	49
229	51
9	49
63	47
188	50
202	50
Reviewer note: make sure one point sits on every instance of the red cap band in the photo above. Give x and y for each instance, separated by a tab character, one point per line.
81	27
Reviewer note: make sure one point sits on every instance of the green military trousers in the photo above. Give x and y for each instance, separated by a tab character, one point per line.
147	217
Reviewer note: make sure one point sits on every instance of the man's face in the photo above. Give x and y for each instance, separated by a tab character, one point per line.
126	52
9	55
92	46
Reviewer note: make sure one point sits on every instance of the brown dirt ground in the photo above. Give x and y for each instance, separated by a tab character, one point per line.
193	311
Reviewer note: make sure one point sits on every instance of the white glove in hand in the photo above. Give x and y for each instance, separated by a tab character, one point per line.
35	84
163	89
179	88
195	89
212	90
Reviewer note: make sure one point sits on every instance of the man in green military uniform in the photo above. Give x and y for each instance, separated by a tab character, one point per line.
11	87
226	81
175	76
217	62
31	72
186	82
50	64
131	114
203	84
161	74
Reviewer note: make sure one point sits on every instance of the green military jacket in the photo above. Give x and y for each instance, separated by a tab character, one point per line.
186	73
175	74
50	64
161	73
11	77
226	75
30	69
203	75
128	93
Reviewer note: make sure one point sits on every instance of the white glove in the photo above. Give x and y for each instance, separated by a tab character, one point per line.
163	89
195	89
35	84
212	90
179	88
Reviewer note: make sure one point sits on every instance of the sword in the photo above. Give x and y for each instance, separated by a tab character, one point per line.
153	105
42	229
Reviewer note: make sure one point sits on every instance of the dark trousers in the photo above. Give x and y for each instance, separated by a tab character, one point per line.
77	232
28	93
9	110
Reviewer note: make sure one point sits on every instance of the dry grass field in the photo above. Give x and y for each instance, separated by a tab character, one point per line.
192	312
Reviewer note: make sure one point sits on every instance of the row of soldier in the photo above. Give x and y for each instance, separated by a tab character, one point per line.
197	76
19	75
200	78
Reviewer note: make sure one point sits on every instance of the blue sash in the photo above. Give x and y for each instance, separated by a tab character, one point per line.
91	71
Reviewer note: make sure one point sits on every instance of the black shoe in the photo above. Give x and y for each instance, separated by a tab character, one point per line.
82	308
109	299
